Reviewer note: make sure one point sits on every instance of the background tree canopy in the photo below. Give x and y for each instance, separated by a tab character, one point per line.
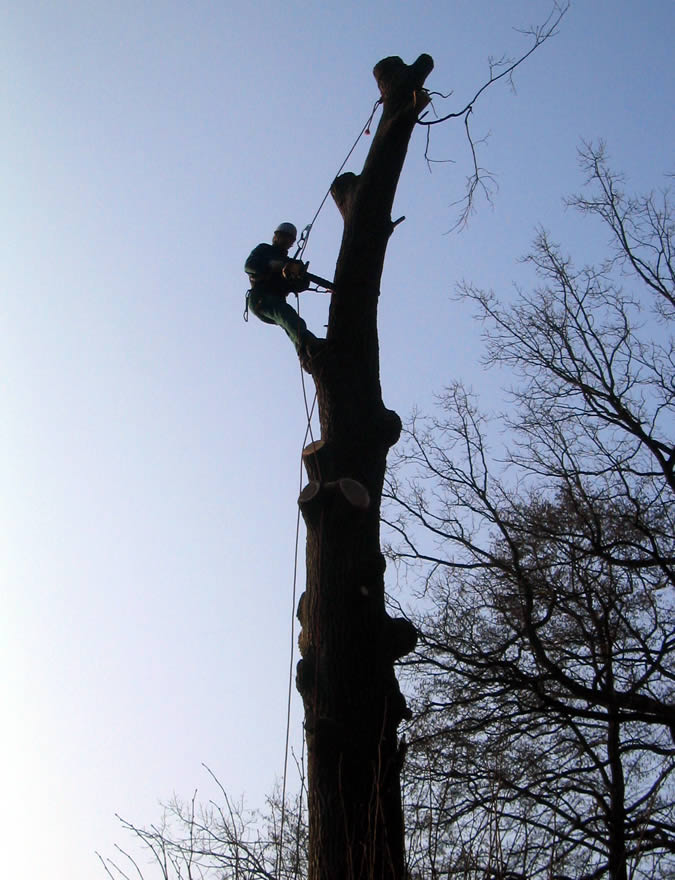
543	739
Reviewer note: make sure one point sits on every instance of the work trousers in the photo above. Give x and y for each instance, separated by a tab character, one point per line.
272	308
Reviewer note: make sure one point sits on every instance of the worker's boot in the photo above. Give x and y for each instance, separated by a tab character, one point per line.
310	351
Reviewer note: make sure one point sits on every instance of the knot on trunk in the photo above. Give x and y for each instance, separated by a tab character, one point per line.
305	673
398	709
390	427
300	613
401	637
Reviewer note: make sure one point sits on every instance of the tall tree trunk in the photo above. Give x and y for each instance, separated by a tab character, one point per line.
352	701
618	869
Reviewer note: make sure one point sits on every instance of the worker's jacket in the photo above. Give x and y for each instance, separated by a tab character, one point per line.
263	278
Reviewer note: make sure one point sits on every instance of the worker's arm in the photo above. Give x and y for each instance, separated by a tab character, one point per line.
259	265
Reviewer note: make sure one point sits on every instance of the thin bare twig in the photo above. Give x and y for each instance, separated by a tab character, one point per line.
481	178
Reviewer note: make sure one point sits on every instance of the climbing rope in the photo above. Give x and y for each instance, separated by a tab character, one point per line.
309	411
308	434
304	236
304	240
290	670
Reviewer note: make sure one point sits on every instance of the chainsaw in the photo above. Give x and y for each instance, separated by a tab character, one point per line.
295	272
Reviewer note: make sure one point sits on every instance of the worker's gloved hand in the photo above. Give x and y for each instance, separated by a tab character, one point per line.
294	270
295	273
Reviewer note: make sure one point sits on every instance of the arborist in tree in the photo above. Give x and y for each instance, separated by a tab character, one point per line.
273	276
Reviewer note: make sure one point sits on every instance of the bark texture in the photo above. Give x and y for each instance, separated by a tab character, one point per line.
353	704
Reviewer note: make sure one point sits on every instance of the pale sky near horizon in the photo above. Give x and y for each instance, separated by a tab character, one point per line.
150	439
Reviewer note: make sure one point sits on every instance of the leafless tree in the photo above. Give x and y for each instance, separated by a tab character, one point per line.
221	839
546	714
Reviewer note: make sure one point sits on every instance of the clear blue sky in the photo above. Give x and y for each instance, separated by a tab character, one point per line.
149	439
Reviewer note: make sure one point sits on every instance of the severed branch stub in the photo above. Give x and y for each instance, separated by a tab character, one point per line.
342	190
353	492
310	503
316	460
344	494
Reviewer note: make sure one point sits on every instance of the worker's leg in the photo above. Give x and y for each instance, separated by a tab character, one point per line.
274	309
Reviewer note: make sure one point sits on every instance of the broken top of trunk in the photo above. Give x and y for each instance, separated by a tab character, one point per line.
365	201
399	82
403	96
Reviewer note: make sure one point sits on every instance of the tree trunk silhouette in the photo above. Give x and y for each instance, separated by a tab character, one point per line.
348	643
